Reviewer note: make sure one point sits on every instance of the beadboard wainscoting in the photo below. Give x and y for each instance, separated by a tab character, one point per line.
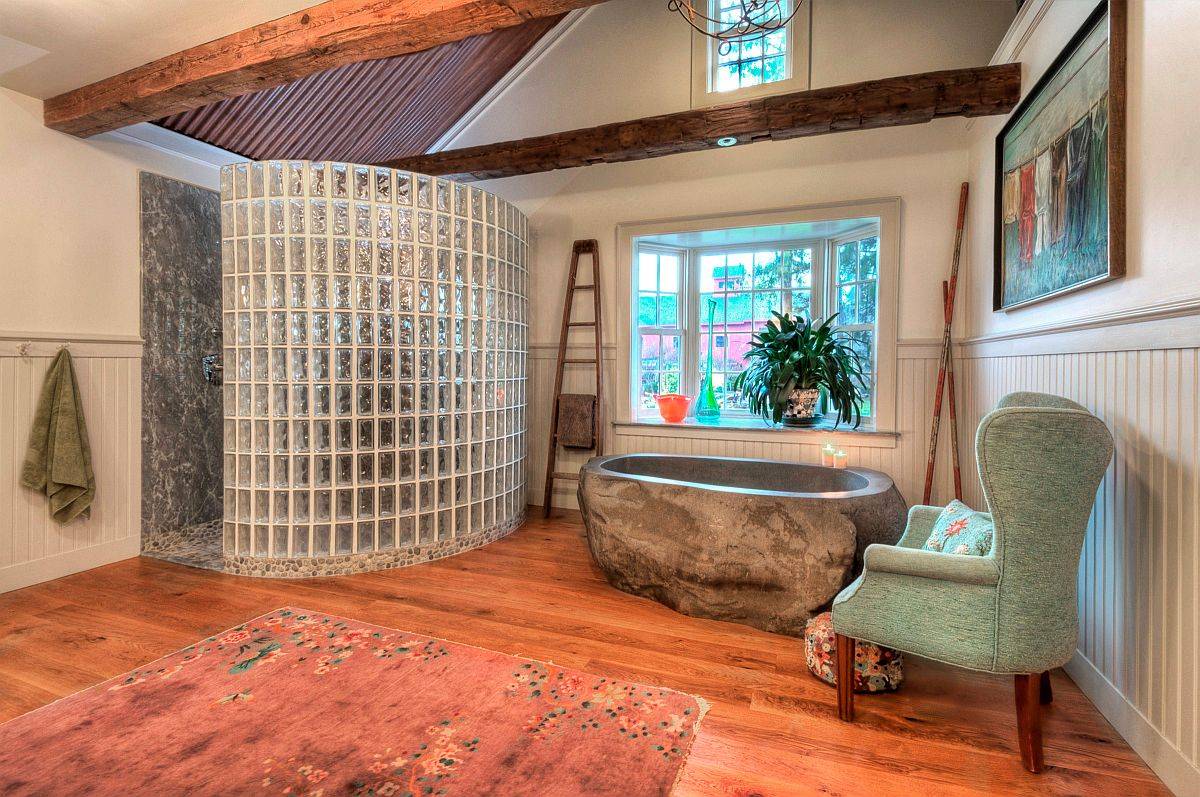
901	455
1139	578
33	547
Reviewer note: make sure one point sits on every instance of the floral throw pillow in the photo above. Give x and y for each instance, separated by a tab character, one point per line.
961	530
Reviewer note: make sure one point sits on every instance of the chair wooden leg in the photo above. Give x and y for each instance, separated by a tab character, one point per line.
845	677
1027	689
1047	694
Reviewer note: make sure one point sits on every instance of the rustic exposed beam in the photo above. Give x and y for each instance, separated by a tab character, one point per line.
906	100
331	34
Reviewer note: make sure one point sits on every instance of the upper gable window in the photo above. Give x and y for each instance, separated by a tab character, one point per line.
753	66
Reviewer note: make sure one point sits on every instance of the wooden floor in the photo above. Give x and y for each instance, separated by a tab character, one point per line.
772	729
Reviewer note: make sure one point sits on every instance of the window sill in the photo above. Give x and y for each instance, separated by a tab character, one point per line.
755	430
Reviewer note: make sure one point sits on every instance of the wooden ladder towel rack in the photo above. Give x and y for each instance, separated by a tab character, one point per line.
588	247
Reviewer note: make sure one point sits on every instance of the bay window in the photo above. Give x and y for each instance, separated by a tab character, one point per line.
682	282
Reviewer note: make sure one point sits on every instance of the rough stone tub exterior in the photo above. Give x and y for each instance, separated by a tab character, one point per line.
753	541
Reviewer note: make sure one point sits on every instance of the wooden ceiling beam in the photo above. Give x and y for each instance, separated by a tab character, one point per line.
332	34
905	100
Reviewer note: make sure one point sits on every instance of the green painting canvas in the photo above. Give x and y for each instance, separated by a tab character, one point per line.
1052	173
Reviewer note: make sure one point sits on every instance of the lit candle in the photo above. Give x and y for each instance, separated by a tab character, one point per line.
840	458
827	452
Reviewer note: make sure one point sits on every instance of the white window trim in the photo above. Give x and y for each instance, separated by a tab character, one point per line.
691	311
798	65
887	210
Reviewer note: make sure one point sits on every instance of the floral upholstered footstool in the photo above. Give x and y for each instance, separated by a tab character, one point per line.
876	668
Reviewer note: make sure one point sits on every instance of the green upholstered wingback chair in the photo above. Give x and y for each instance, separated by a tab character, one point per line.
1041	459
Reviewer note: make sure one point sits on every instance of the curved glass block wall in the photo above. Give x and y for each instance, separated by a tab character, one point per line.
375	351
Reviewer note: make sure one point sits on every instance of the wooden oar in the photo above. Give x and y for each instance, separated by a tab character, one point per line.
945	363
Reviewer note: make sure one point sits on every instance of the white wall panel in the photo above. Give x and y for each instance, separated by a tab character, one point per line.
33	547
1139	577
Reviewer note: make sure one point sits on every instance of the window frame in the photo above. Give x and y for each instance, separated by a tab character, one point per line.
680	310
887	213
798	63
690	339
831	298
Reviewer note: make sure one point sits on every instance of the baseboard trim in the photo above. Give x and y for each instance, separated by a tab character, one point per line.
1167	761
26	574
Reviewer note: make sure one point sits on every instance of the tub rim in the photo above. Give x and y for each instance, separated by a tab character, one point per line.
877	481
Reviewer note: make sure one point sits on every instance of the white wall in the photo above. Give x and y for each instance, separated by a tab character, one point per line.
70	272
627	59
69	229
1128	351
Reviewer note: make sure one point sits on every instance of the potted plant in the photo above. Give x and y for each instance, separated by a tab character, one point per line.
792	360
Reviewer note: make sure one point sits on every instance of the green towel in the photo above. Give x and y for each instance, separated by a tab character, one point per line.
59	459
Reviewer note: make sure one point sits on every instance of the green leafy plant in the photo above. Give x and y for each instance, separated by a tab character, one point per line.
798	354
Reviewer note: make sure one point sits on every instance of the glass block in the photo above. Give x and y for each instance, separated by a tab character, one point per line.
341	255
387	465
322	505
319	256
301	439
320	328
322	464
276	333
301	472
278	400
383	185
366	502
386	258
383	223
387	534
363	293
321	540
366	536
345	505
362	182
280	509
344	403
321	400
364	327
339	180
345	539
341	218
344	464
319	366
362	257
301	546
274	178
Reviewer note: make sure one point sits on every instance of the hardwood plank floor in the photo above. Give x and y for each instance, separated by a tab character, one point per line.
772	729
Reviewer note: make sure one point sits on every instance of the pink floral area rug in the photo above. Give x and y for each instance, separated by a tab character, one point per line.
301	703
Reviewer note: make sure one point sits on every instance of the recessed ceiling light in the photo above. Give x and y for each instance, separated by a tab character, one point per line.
727	141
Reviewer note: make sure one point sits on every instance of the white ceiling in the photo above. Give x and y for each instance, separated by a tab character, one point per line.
87	40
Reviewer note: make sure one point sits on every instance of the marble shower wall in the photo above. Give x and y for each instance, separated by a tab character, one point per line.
181	322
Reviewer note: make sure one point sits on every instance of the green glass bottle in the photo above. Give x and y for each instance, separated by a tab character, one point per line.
707	408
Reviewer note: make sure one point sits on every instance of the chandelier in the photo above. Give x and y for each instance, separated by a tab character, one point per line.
738	20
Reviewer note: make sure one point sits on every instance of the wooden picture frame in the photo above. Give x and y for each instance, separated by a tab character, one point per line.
1055	230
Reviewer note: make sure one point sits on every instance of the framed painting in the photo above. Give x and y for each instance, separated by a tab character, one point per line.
1060	172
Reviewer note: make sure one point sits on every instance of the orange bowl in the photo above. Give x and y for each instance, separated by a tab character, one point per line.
672	407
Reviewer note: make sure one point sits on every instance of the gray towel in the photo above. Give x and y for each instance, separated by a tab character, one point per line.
59	459
577	420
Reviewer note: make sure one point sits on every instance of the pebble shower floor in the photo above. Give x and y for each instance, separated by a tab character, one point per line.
375	344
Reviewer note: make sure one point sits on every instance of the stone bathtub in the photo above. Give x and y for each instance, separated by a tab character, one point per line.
753	541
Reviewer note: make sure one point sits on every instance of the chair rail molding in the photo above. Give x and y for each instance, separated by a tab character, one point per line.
1169	324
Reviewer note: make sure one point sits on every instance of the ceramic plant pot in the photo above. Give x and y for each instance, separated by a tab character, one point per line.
801	409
